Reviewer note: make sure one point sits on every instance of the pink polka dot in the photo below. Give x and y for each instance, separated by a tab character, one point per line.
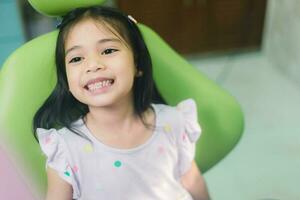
47	139
161	149
184	136
75	169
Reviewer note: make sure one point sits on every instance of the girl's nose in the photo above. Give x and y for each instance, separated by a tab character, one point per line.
94	67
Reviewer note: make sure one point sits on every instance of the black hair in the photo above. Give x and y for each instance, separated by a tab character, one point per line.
61	108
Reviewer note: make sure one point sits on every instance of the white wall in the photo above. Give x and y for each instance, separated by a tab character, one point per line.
282	36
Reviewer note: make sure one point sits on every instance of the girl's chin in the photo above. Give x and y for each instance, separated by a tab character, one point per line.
97	103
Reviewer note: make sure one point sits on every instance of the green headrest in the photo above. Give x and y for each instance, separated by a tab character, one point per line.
57	8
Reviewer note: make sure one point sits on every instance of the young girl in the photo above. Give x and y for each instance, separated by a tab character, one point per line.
103	136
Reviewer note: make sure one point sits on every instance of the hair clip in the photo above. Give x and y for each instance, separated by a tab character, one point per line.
132	19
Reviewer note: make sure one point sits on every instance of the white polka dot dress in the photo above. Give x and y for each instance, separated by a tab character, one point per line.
149	171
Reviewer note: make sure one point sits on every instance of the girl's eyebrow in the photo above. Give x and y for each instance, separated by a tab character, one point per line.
72	48
109	40
100	42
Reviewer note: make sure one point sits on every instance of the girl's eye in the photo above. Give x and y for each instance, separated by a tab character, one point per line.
76	59
108	51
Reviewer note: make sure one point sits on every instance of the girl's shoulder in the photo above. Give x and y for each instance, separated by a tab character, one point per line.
52	140
180	119
54	133
184	105
75	125
63	136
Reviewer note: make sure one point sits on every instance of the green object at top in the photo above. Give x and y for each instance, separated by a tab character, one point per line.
57	8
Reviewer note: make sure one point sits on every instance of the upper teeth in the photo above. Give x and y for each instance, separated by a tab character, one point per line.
98	85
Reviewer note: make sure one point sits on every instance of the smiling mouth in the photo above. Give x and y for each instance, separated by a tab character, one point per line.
99	85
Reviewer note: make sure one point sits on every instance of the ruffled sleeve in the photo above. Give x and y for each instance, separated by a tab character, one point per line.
58	158
188	138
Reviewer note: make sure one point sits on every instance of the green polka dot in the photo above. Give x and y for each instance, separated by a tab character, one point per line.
117	163
67	174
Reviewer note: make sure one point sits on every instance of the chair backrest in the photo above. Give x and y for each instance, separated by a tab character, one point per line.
28	77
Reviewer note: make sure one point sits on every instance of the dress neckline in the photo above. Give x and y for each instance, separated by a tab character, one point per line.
125	150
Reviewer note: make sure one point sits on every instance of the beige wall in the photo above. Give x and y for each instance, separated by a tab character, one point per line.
282	36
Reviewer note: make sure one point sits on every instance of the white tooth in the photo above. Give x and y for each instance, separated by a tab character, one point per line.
90	87
99	85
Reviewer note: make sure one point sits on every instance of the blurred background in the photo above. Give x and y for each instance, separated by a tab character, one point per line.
249	47
189	26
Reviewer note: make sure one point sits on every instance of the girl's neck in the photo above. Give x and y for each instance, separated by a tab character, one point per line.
119	115
120	128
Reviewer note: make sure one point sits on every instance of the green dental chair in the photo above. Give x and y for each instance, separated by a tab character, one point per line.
28	77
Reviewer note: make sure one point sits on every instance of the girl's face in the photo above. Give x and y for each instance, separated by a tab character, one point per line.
99	65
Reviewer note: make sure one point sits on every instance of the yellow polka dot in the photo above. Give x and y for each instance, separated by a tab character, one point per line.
88	148
167	128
